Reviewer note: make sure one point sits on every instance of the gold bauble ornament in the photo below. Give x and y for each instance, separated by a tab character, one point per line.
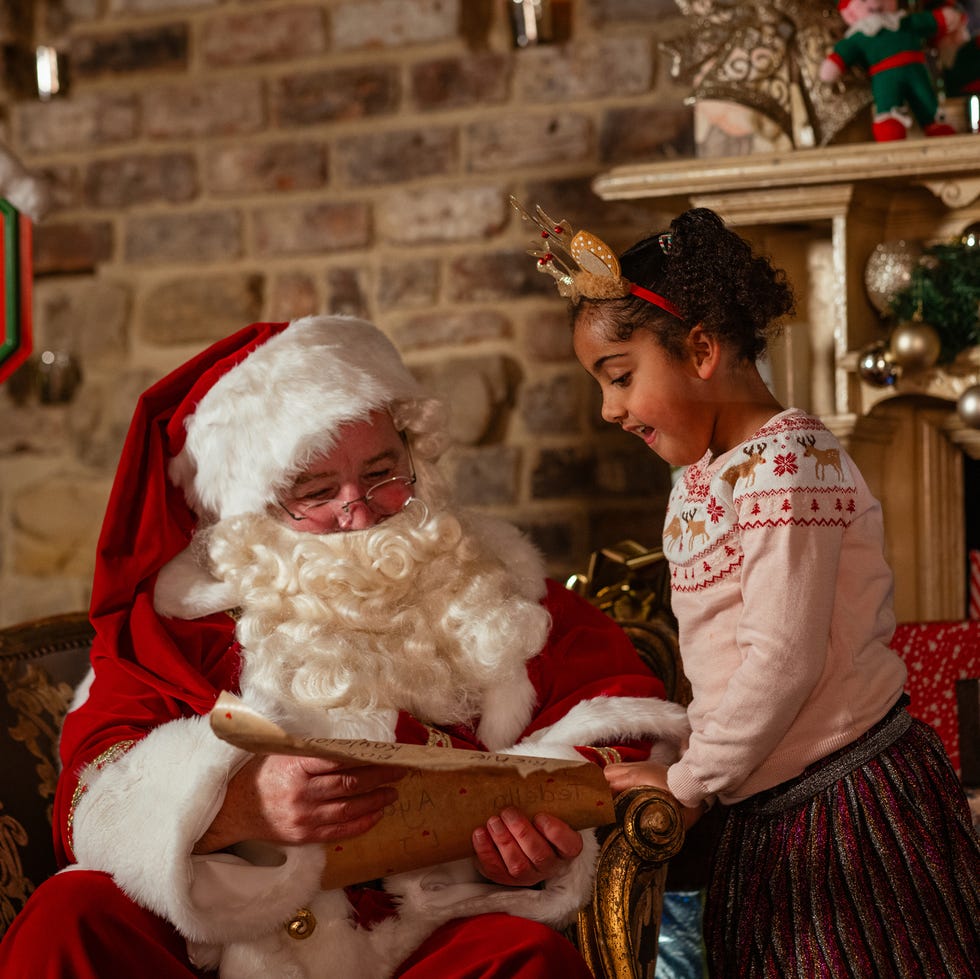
889	270
875	366
968	406
914	345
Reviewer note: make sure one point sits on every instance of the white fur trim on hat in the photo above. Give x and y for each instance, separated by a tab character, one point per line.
263	420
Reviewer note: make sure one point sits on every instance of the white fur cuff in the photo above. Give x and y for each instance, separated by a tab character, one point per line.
144	838
613	719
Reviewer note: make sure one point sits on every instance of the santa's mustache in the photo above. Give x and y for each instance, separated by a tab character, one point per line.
259	550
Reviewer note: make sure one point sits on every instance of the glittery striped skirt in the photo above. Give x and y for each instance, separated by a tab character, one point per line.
867	865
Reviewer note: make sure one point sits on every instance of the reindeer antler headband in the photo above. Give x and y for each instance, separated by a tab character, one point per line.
584	265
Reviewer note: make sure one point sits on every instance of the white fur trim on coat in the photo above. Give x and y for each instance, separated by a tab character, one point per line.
457	890
145	838
185	590
604	719
511	546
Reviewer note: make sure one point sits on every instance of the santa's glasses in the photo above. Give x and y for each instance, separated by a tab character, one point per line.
383	499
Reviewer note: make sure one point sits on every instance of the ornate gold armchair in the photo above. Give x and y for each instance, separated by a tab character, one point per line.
618	931
41	663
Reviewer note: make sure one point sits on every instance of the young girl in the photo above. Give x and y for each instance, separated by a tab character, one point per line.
847	847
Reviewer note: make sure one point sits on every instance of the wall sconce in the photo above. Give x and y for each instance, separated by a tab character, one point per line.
51	72
539	21
57	376
38	73
33	62
51	377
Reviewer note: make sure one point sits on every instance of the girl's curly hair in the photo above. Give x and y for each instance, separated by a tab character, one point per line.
712	276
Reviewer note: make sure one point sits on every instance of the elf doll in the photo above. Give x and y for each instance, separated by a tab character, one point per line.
889	45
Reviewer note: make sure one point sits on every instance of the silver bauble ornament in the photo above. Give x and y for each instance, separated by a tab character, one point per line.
914	345
876	367
968	406
889	271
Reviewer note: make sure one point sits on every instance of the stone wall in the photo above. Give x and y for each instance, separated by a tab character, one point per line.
217	162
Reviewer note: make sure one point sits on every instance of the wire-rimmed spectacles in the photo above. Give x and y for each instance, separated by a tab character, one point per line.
384	499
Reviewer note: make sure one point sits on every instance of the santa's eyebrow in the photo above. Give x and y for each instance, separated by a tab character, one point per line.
388	455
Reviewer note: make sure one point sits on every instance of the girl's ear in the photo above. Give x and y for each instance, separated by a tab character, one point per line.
704	352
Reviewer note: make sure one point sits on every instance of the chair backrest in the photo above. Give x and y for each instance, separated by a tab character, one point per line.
631	584
41	663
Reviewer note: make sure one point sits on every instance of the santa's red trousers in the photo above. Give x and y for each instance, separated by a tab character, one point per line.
79	925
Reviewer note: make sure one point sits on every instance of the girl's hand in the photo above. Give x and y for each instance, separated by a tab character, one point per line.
292	800
634	774
630	774
518	852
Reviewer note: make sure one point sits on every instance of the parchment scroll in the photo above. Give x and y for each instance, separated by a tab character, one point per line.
445	794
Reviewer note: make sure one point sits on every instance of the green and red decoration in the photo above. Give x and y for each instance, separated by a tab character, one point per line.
16	337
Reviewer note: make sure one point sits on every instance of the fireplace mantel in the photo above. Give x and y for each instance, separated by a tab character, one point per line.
821	213
949	167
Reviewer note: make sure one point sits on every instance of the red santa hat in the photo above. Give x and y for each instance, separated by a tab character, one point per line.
238	445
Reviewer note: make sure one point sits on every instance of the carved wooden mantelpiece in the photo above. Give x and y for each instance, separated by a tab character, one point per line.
952	160
821	213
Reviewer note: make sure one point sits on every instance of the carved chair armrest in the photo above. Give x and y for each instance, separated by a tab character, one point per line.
628	892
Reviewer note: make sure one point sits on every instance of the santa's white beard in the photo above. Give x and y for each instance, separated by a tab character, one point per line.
415	614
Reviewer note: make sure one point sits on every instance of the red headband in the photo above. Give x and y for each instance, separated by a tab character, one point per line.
656	299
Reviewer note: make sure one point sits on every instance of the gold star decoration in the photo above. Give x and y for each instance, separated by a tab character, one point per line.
756	53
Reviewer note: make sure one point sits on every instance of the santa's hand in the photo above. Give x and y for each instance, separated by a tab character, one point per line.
518	852
293	800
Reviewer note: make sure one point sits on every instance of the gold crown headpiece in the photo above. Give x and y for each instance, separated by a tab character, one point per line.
582	264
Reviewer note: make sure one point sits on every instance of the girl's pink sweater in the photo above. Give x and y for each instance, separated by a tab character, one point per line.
784	600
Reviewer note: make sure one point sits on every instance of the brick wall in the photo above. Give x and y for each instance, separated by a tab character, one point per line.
218	162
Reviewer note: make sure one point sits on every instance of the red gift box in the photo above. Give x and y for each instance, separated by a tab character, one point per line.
937	654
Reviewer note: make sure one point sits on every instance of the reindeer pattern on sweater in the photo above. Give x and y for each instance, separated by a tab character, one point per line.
791	471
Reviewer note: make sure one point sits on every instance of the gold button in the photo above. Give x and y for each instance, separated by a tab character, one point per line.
302	924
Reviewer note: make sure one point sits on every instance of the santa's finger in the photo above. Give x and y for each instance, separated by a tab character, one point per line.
354	781
333	809
487	855
567	842
335	832
521	846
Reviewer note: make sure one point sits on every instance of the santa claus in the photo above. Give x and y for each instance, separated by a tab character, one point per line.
278	528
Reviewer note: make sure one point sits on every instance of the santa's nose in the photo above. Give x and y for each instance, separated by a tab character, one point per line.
356	516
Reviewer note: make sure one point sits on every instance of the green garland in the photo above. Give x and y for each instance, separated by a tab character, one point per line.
944	291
